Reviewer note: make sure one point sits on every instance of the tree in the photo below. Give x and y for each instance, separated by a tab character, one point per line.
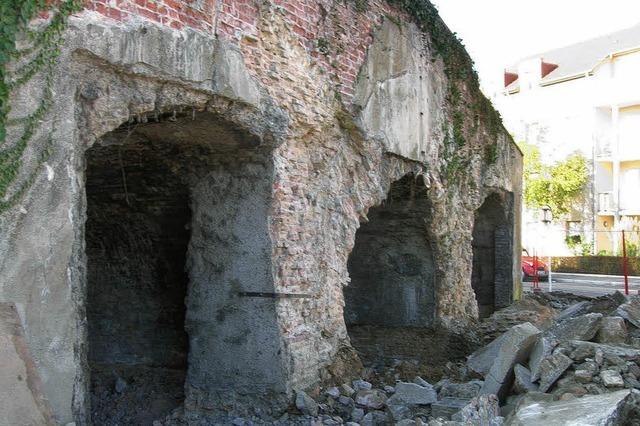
558	186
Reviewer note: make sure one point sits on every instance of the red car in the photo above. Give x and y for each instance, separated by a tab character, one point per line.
528	271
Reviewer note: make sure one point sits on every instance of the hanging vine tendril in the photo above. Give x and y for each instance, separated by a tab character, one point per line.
39	57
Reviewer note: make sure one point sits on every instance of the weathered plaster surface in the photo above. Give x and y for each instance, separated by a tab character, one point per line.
326	171
401	93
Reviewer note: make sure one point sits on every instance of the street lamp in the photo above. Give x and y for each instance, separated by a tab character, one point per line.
547	215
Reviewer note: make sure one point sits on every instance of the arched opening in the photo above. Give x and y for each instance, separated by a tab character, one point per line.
392	289
492	244
176	230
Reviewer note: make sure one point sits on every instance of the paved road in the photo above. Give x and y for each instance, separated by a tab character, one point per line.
587	284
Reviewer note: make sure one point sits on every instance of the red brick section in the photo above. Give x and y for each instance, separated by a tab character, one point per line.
196	14
334	32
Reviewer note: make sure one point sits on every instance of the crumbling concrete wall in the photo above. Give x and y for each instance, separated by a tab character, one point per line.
324	149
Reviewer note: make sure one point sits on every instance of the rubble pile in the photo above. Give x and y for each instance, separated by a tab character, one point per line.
575	361
558	373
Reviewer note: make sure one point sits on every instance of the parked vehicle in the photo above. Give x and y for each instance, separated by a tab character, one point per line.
528	271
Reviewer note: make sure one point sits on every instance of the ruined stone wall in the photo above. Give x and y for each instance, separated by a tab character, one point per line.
339	101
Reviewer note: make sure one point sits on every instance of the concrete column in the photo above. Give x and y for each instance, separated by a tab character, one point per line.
615	157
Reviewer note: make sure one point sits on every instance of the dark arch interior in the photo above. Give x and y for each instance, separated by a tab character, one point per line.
392	289
148	186
492	275
137	232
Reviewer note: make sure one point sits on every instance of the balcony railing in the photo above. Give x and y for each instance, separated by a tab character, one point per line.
605	202
603	147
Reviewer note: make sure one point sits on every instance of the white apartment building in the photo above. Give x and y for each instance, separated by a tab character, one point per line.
584	97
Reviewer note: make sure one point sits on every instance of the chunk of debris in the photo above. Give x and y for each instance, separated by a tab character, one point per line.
412	393
515	347
447	407
481	360
574	310
460	390
375	418
361	385
612	330
583	350
347	390
611	379
630	311
583	376
482	410
583	327
522	382
357	414
543	348
551	368
306	404
588	410
374	398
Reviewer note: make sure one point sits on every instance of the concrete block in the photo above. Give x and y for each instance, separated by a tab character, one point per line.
515	348
543	348
551	368
612	330
522	383
588	410
411	393
630	311
583	327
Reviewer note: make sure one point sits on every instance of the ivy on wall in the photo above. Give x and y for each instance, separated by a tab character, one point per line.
459	69
39	57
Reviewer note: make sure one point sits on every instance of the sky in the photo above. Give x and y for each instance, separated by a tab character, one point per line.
497	33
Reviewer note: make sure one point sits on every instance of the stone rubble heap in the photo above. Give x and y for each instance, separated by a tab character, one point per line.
406	403
589	356
579	364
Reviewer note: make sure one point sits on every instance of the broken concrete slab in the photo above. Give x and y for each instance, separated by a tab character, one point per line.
612	330
522	382
581	350
583	327
399	410
483	410
306	404
361	385
611	379
412	393
588	410
551	368
460	390
574	310
21	394
515	348
543	348
481	360
371	398
630	311
447	407
375	418
583	376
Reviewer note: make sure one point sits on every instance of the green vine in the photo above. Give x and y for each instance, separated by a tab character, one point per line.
39	56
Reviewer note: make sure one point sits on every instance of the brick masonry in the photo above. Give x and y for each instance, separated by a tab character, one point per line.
335	34
286	72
